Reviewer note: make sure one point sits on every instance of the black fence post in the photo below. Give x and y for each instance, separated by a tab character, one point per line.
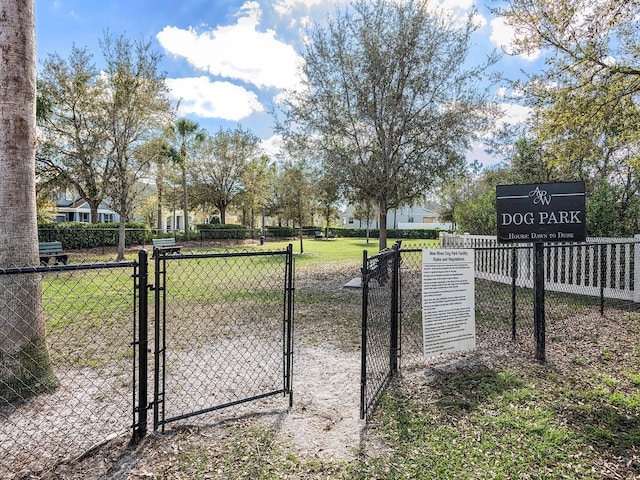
365	307
538	304
395	267
289	312
140	410
514	275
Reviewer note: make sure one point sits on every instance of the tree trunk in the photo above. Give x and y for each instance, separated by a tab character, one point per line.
300	230
121	238
93	208
223	214
368	230
25	367
328	219
160	189
382	236
185	201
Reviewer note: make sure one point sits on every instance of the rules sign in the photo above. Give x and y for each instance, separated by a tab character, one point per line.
541	212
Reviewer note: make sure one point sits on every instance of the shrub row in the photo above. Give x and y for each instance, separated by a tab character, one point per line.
416	233
218	231
74	235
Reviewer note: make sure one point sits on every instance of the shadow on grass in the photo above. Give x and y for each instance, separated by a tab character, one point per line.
461	392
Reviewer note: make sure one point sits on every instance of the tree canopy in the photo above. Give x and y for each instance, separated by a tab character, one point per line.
388	96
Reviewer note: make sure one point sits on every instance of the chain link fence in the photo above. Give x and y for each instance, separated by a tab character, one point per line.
583	288
87	311
588	305
171	338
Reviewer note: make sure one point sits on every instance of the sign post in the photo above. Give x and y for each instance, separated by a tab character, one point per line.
540	213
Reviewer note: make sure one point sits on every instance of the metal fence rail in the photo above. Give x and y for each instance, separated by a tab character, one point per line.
88	312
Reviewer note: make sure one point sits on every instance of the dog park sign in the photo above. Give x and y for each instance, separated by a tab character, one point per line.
540	213
543	212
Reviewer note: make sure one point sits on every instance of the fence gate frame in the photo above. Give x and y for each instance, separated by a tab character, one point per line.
141	403
384	268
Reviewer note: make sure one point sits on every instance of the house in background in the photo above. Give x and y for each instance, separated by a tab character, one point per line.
73	208
405	218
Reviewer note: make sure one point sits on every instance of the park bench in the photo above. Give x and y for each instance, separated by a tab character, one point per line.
165	245
377	271
317	235
48	250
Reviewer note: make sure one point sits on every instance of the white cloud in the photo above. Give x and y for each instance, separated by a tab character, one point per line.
478	152
238	51
504	37
514	113
271	146
285	7
208	99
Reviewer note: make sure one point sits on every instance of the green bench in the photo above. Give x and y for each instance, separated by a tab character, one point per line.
48	250
164	245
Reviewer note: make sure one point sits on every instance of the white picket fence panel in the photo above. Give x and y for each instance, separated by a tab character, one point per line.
569	267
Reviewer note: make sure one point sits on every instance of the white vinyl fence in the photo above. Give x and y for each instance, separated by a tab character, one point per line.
600	266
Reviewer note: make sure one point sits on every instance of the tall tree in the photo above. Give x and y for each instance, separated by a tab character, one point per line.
24	362
187	135
223	160
136	107
72	147
255	193
160	153
298	195
389	94
328	196
586	98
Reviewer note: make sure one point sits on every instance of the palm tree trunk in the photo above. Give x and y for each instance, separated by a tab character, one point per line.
25	368
160	189
185	202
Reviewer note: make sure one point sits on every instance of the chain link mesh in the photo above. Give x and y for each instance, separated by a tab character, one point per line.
223	331
378	292
87	311
587	307
504	302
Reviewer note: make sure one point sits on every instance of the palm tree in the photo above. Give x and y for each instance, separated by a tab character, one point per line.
25	366
185	134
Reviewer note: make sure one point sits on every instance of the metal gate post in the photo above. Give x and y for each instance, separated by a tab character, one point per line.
395	268
140	407
288	384
514	276
365	307
160	321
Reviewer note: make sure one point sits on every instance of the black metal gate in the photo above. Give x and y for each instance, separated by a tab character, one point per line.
222	333
380	343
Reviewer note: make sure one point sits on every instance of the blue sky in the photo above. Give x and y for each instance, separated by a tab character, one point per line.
228	60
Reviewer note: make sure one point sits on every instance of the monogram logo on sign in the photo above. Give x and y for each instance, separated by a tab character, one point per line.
540	197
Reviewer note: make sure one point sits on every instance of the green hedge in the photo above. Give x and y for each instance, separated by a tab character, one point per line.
416	233
219	231
281	232
74	235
